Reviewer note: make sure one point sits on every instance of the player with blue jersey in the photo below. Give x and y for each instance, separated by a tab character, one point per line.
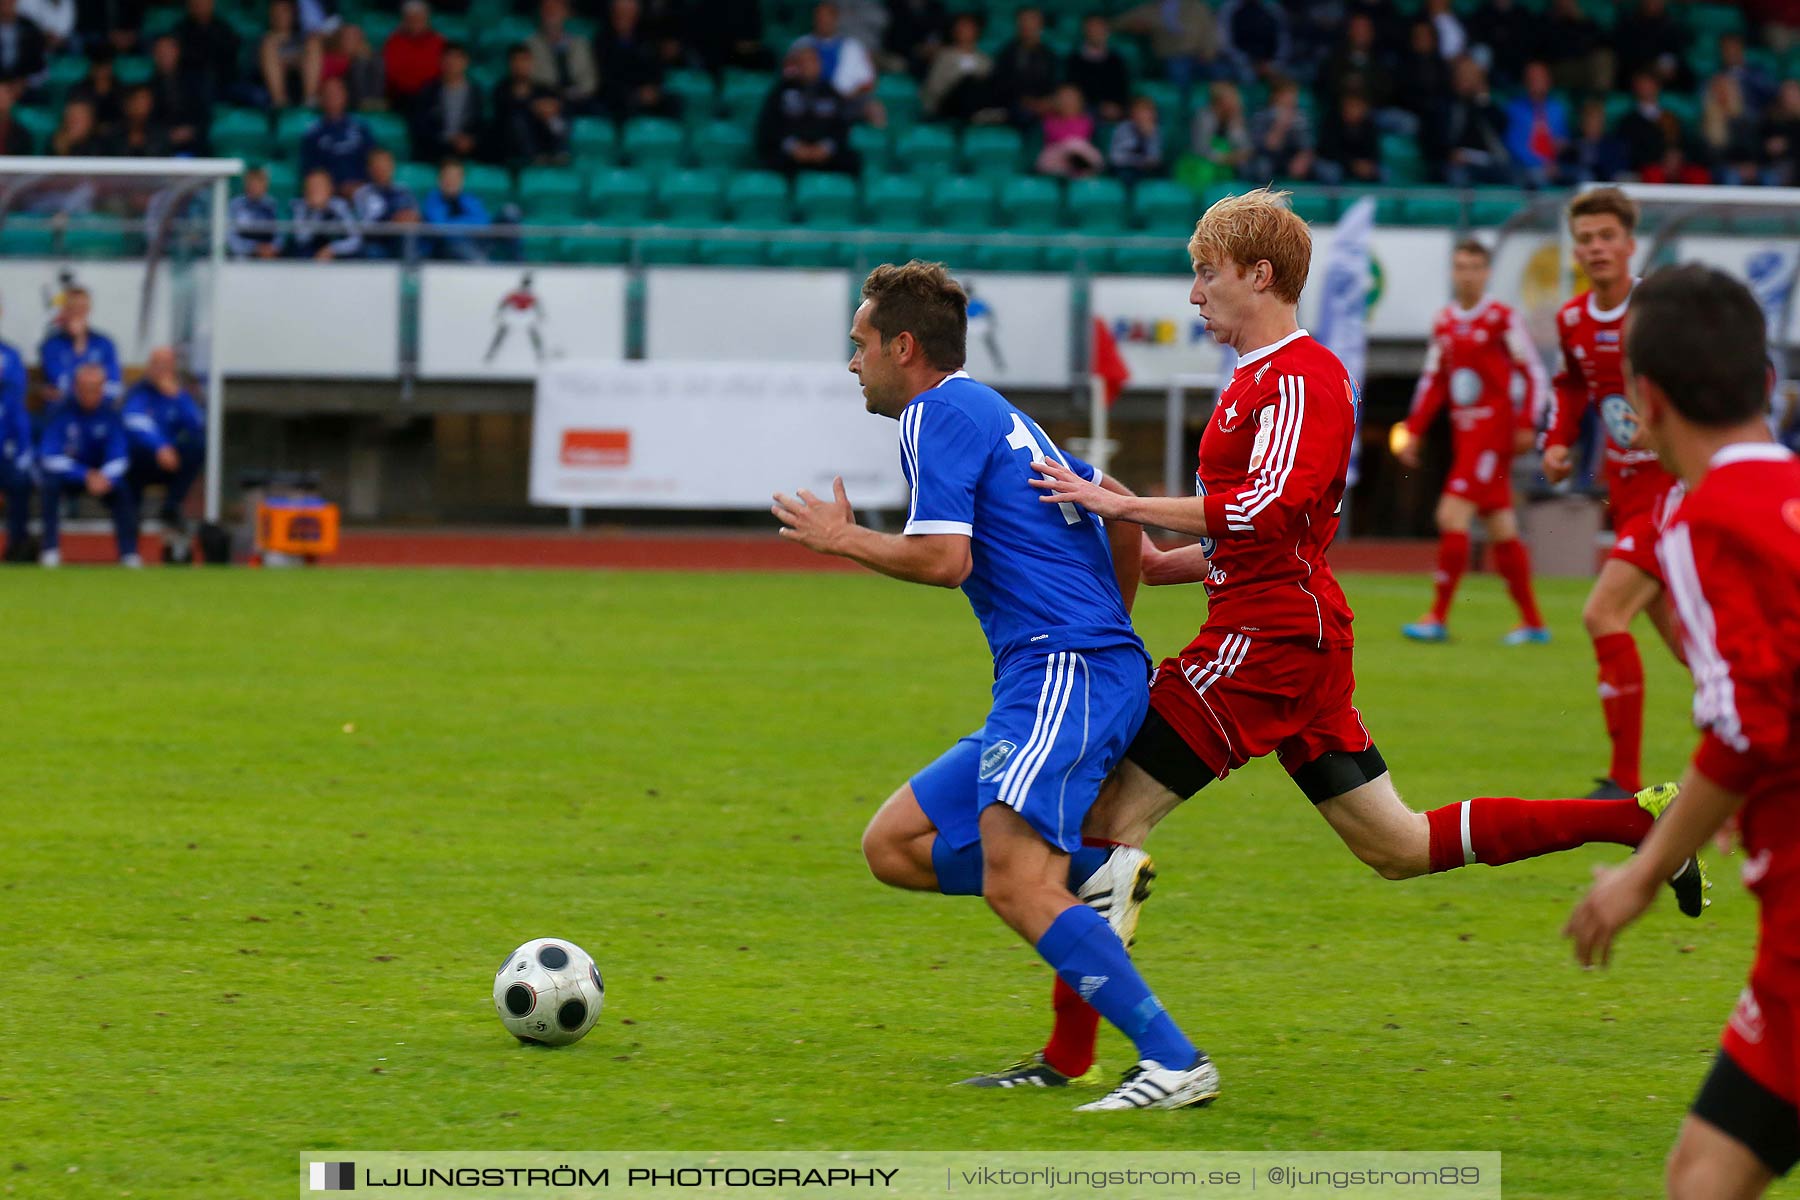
1000	813
74	344
18	458
84	452
167	434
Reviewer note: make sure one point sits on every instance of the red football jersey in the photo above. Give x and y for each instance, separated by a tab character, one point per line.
1592	341
1731	557
1272	464
1470	364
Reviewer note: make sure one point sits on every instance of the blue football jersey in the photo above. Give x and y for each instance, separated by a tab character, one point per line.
1042	575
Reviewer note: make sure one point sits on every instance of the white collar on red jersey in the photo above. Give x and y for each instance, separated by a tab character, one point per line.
1740	452
1611	314
1245	360
1469	314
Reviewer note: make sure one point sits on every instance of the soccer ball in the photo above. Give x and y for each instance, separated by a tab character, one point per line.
548	991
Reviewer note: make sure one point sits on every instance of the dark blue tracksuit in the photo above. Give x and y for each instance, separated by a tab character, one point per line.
75	442
152	421
18	455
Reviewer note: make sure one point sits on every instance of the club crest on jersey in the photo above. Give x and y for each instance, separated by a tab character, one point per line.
994	758
1571	316
1621	422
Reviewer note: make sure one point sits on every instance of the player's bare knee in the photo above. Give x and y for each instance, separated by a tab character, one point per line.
1685	1173
1601	618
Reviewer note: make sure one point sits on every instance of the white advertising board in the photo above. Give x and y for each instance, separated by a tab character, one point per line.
1019	328
333	320
698	314
506	322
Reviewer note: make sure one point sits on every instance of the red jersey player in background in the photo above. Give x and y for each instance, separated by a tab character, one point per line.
1731	555
1270	671
1478	345
1590	329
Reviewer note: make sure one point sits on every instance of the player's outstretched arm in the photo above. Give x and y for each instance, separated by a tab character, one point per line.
1060	485
1621	894
1184	564
829	527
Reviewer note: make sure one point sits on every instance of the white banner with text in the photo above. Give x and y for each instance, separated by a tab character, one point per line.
495	322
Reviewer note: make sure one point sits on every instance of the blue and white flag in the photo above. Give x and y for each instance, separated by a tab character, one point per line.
1343	310
1771	275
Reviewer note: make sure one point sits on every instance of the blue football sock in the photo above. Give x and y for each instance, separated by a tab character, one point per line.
958	871
1088	956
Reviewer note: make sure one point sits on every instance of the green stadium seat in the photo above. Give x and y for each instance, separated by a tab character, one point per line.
1714	19
1163	206
552	193
1431	207
619	196
1315	205
17	241
963	203
240	133
732	252
872	145
1495	206
493	185
132	69
290	127
816	250
1387	205
284	181
1168	259
592	250
925	150
825	199
1097	206
699	99
594	140
40	123
158	20
893	201
1216	192
492	37
1684	106
1031	203
691	197
741	93
1400	155
993	152
100	243
757	198
389	129
725	144
899	95
454	26
653	142
417	177
63	73
1009	258
667	251
958	256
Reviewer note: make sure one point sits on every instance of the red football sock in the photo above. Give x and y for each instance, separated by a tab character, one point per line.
1503	829
1453	560
1622	700
1072	1039
1514	565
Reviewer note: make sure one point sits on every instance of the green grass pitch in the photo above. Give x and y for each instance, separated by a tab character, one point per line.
268	835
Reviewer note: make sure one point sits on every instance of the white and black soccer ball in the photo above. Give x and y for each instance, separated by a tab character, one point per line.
548	991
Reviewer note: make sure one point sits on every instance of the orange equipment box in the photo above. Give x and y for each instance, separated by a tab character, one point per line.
306	528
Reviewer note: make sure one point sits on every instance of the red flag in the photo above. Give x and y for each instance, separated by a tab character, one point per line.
1107	363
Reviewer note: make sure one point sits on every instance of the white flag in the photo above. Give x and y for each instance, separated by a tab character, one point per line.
1343	325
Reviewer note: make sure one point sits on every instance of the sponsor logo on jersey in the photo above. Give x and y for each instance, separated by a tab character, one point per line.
1747	1017
1621	422
1465	386
1606	337
994	757
1265	429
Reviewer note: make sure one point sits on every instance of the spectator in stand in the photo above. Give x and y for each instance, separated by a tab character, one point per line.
18	454
1255	36
1756	84
956	89
84	452
529	128
843	60
1537	127
1504	37
1453	41
381	201
77	136
165	433
210	51
1729	132
1357	65
1675	167
1025	70
1643	128
1221	146
290	61
562	62
178	98
74	342
414	55
729	35
1184	38
99	89
1069	151
631	74
324	227
138	134
1575	47
14	137
1281	136
448	204
1594	155
1781	134
1652	40
1136	151
348	56
449	117
23	50
1350	146
1467	141
1098	71
338	142
805	124
117	24
56	18
916	31
246	232
1421	79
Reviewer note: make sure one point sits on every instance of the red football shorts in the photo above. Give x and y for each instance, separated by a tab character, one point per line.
1482	479
1761	1037
1233	698
1634	544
